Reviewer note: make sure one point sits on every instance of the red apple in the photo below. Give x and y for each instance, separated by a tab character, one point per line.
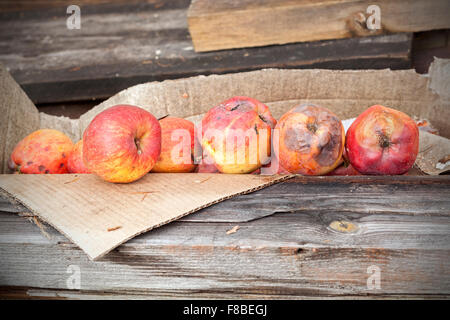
43	151
177	146
75	163
382	141
122	143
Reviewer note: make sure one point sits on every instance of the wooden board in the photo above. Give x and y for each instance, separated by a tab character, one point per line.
28	5
226	24
306	237
53	64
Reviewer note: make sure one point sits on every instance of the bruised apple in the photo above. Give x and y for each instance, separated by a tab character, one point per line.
177	146
75	163
122	143
236	135
43	151
311	140
382	141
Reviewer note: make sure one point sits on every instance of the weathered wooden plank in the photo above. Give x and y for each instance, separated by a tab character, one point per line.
322	252
214	269
30	5
227	24
14	292
123	45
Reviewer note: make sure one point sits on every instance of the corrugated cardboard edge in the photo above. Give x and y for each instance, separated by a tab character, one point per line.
269	180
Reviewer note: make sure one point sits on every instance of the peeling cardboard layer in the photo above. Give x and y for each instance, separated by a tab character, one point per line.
98	216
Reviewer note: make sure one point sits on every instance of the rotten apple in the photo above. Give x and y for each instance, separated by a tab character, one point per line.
382	141
43	151
311	140
236	134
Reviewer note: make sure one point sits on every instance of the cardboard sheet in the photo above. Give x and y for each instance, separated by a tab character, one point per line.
98	216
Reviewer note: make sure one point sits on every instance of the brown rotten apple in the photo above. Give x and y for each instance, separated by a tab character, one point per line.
382	141
311	140
122	143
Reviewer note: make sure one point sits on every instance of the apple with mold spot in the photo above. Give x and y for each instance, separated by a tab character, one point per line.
236	135
311	140
382	141
42	151
122	143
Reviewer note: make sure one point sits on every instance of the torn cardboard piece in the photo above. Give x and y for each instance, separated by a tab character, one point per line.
434	154
98	216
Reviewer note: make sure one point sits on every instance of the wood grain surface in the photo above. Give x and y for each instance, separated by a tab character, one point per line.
226	24
303	238
120	45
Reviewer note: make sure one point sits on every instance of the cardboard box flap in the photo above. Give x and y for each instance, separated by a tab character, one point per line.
439	74
346	92
19	116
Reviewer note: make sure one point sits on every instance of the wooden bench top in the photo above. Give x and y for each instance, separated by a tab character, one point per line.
306	237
